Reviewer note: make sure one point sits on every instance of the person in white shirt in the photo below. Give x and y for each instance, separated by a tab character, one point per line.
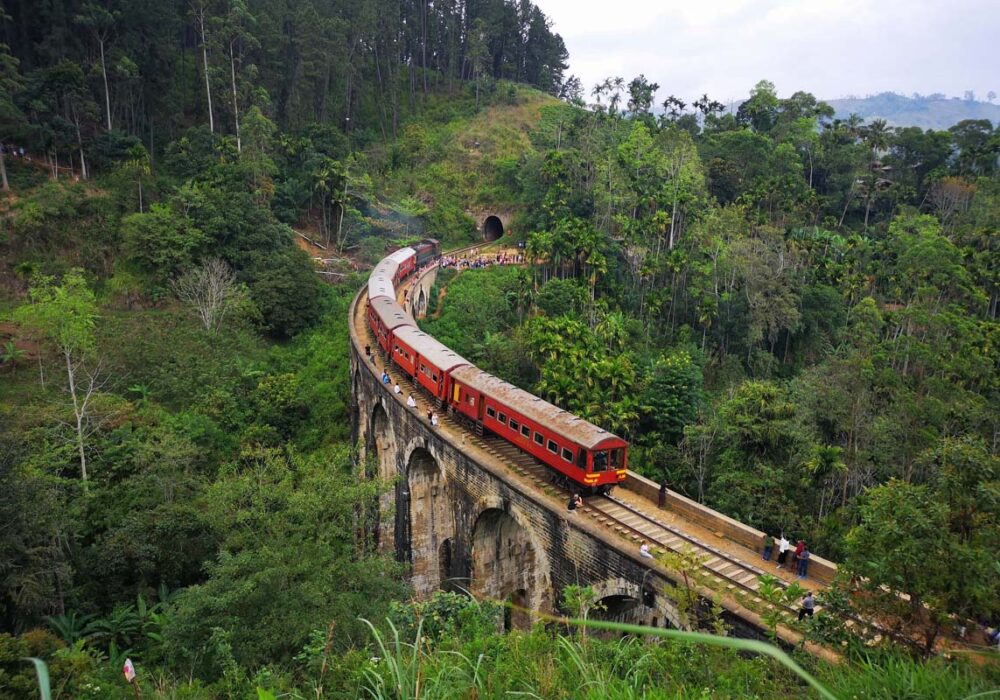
434	420
396	388
644	551
783	546
410	401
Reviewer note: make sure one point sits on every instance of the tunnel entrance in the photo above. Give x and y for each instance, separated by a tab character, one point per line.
492	228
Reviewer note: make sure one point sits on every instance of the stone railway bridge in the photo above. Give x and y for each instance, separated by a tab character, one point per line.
464	520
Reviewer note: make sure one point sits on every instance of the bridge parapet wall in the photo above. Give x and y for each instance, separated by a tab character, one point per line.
820	569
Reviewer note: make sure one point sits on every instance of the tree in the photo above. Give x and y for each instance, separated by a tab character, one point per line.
11	118
211	290
161	242
285	288
671	396
67	315
101	23
902	545
199	10
288	562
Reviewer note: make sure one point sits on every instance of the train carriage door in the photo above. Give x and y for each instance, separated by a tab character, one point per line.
456	393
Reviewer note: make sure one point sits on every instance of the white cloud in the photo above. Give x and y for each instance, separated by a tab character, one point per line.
831	48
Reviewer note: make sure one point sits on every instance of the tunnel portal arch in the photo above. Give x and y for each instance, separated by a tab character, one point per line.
492	228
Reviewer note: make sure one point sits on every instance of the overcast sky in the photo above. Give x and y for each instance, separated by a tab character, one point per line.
832	48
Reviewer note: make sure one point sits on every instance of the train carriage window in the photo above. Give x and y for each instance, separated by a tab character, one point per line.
434	377
502	418
491	412
472	400
616	458
600	461
567	455
553	447
514	425
525	431
581	459
539	439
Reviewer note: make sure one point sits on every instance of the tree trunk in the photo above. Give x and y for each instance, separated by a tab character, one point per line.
107	94
3	172
236	105
204	57
78	413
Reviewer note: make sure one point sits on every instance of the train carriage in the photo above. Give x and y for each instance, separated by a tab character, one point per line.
406	262
569	444
426	359
381	282
384	317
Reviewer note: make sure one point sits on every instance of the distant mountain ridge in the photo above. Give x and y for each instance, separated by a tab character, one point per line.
928	112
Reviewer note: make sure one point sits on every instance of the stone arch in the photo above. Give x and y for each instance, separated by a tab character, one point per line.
381	462
430	521
421	306
635	603
505	563
492	228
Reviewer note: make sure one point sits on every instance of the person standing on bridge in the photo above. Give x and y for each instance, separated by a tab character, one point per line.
661	498
804	563
783	546
799	547
768	547
808	606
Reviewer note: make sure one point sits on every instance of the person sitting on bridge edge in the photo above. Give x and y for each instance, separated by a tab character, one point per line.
644	551
804	563
396	389
574	502
768	547
410	401
368	350
434	420
783	546
385	377
808	606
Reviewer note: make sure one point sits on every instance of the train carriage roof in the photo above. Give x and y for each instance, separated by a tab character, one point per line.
401	255
432	350
540	411
391	313
380	283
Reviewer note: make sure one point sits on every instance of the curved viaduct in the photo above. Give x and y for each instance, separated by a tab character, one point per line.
464	519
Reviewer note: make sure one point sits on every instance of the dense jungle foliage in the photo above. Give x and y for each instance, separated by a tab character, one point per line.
792	318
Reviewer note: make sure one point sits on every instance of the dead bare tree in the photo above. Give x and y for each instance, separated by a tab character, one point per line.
84	385
211	290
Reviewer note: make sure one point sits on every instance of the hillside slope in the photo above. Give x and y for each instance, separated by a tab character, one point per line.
448	167
924	112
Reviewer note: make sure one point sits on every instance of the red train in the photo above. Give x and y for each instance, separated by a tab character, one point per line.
592	458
